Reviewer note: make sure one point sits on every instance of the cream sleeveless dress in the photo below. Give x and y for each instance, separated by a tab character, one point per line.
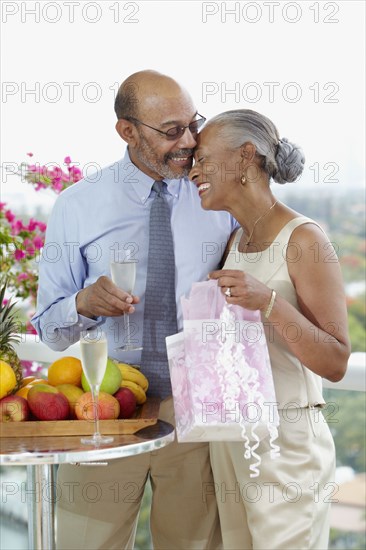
294	383
287	506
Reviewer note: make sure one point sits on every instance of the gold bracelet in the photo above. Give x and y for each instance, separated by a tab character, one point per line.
270	305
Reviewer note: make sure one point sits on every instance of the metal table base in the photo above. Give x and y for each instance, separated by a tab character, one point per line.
41	454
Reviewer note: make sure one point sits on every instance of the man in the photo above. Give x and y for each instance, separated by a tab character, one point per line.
90	221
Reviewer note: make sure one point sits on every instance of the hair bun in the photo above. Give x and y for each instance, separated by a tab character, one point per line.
290	161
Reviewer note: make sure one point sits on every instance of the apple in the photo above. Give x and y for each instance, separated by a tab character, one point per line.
14	408
127	402
108	407
111	380
72	394
48	403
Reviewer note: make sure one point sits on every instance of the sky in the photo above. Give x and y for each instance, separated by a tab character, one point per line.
300	63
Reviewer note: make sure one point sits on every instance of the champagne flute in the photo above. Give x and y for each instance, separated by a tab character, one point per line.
123	272
94	355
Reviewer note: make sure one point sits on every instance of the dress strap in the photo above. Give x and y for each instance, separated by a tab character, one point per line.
294	223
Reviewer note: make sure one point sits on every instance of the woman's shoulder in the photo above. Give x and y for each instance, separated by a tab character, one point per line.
309	243
294	225
304	228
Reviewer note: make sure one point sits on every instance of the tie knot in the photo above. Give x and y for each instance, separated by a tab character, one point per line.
159	187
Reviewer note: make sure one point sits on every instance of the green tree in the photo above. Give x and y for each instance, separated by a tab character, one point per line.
143	537
345	414
357	333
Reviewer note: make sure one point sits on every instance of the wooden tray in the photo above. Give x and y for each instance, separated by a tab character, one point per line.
146	415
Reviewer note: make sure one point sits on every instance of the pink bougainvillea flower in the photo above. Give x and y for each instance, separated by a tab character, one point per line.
17	227
75	173
56	172
27	366
42	226
57	186
32	225
25	238
9	216
38	242
40	185
31	330
19	254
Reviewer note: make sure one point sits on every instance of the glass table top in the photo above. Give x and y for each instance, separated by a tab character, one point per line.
66	449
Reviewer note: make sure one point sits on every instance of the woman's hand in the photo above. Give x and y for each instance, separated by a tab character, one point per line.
245	290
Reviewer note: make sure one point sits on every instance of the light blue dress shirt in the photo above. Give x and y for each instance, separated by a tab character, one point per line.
110	211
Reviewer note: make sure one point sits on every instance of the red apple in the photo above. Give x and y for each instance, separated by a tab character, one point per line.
108	407
14	408
127	402
48	403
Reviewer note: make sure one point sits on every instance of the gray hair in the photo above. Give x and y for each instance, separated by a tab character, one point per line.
282	160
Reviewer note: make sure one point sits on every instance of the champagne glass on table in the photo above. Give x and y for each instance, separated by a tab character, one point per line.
94	355
123	272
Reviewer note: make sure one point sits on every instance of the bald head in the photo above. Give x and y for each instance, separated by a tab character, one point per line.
148	105
146	90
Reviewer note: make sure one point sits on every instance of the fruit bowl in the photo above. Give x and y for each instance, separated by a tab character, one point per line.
146	415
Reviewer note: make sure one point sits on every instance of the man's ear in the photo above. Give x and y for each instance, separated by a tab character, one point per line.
247	151
127	130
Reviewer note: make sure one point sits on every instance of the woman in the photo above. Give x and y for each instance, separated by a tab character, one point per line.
284	265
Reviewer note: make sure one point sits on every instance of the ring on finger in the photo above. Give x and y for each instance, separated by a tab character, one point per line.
228	292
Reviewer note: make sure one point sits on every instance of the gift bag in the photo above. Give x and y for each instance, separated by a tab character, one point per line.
221	374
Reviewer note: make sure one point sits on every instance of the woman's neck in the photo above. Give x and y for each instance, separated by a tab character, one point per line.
249	210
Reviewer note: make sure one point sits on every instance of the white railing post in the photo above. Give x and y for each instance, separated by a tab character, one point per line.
354	378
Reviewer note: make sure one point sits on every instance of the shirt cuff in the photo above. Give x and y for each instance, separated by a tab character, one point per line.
80	320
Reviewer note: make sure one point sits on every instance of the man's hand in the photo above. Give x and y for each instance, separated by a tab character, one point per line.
104	298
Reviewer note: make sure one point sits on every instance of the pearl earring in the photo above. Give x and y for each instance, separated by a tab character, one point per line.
243	179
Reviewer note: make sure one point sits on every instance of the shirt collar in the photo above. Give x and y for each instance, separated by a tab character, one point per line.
142	183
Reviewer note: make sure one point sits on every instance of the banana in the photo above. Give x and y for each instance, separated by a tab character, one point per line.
131	373
136	390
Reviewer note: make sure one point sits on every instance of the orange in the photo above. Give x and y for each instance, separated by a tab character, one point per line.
23	392
66	370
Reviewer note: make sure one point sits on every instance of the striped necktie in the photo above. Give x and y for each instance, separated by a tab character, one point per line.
160	313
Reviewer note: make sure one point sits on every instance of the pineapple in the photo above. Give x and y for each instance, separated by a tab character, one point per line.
8	336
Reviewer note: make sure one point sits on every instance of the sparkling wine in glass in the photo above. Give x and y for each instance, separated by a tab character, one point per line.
94	355
123	272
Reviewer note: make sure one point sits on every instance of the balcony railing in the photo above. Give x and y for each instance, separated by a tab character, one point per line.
32	349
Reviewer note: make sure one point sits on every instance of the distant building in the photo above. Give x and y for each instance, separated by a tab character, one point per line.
349	513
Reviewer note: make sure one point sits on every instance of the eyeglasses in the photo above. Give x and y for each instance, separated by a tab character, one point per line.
177	131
